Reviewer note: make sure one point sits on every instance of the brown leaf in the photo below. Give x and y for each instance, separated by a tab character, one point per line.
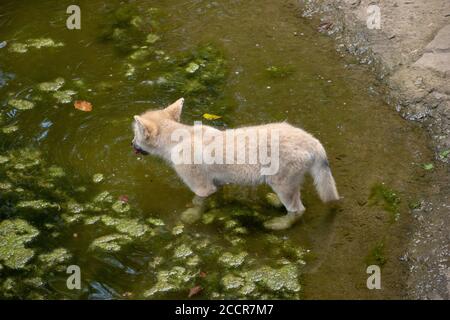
202	274
195	290
83	105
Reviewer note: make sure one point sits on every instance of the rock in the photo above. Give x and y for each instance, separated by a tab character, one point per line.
437	53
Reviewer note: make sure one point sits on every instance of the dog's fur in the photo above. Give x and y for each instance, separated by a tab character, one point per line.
299	153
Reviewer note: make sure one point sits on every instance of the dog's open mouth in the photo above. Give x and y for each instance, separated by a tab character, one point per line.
138	150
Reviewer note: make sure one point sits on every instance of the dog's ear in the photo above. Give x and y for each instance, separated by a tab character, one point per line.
147	127
175	109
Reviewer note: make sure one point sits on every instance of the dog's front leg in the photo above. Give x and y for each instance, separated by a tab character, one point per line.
194	213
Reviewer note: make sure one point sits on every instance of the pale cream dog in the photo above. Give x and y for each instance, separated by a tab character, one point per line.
298	153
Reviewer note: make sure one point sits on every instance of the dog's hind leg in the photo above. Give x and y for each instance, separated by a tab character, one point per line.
289	195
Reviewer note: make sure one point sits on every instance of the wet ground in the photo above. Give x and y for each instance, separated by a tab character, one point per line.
73	193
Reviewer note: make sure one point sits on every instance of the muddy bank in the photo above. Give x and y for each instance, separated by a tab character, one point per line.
410	54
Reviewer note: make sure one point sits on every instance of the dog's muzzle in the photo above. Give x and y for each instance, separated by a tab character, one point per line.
138	150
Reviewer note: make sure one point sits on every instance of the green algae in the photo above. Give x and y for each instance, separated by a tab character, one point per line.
273	200
21	104
131	227
10	129
38	205
155	222
51	86
14	234
97	178
38	43
54	258
121	206
64	97
182	251
232	261
376	255
56	172
387	198
103	197
110	243
174	279
279	71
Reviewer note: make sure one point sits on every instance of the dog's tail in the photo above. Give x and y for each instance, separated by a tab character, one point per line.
323	179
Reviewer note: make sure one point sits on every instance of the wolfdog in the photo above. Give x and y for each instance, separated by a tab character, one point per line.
158	132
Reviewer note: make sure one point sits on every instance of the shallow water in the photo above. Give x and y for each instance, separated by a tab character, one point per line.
328	95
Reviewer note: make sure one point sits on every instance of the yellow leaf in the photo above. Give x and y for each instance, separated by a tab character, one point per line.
209	116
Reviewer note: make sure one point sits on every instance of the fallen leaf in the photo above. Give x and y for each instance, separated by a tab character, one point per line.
428	166
83	105
209	116
195	290
202	274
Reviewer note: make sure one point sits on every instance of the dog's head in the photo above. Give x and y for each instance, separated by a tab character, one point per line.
147	126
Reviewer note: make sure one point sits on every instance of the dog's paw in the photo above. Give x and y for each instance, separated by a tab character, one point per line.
191	215
282	223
